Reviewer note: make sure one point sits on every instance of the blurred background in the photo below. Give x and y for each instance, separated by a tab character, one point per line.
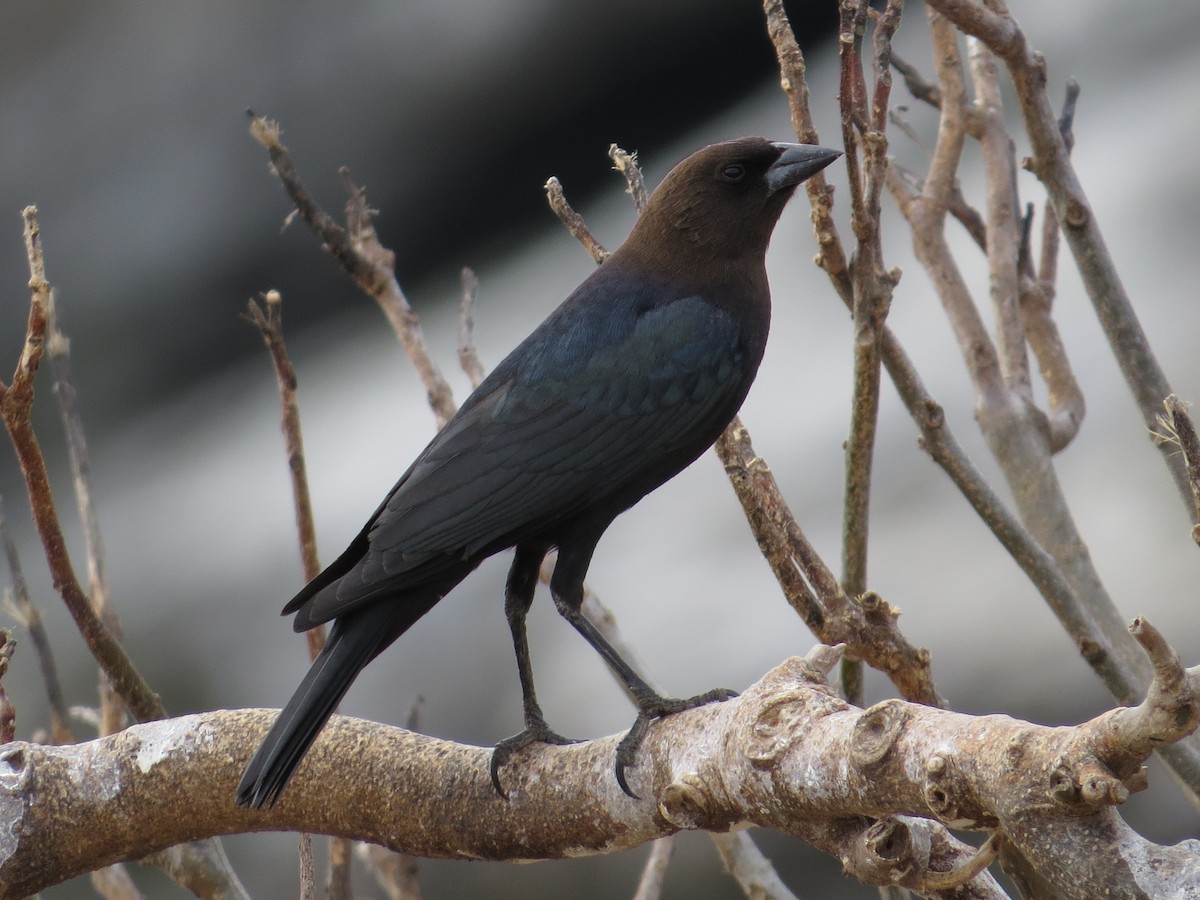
125	124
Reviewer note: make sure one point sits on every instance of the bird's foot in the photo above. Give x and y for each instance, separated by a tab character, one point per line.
649	709
536	732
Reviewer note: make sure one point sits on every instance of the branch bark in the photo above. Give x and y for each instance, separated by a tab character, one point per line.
788	754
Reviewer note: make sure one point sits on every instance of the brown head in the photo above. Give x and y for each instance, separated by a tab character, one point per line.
720	205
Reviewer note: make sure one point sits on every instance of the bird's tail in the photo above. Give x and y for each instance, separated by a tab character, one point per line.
353	642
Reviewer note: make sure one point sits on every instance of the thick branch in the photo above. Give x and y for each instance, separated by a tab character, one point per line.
759	758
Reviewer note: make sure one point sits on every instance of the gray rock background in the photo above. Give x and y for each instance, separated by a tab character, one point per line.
125	125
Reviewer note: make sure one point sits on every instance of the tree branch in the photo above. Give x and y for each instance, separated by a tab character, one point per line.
866	625
268	318
16	404
573	221
756	758
1052	165
831	256
112	713
1178	430
359	252
468	355
25	612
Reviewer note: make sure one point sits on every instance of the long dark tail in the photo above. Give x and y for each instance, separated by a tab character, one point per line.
353	642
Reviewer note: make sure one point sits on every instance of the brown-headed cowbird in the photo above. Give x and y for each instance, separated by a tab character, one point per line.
625	384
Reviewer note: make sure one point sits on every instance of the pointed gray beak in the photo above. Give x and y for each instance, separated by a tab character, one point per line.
796	163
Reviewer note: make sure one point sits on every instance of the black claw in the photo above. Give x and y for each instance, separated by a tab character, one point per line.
648	711
628	748
503	752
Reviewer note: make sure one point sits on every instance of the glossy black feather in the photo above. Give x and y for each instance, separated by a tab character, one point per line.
620	388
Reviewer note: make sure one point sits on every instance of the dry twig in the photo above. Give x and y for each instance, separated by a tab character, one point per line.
626	163
468	356
650	885
25	612
1052	165
830	257
267	316
357	249
16	403
1015	430
864	119
573	221
1178	430
112	714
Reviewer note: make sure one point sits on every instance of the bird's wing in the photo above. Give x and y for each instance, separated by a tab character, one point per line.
584	413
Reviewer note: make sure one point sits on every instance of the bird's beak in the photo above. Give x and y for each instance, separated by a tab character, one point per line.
796	163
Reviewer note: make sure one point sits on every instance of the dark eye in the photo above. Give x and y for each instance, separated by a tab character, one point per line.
733	172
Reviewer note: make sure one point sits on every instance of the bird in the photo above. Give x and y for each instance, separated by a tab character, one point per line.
622	386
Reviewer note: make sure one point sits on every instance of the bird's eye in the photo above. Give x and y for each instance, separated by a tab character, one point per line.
733	172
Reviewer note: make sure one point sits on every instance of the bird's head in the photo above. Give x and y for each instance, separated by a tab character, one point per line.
722	202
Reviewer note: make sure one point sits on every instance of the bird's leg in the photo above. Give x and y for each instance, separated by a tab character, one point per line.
567	592
518	595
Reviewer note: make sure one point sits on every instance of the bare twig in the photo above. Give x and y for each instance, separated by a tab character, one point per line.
917	84
115	883
112	714
573	220
1008	419
1003	229
202	868
8	712
905	183
395	873
866	625
267	316
468	355
752	871
831	256
871	286
627	165
338	885
357	249
1052	165
1176	428
1021	448
1066	401
16	402
1048	269
27	614
308	868
650	885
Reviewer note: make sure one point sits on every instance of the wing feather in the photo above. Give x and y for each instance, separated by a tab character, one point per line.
612	401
